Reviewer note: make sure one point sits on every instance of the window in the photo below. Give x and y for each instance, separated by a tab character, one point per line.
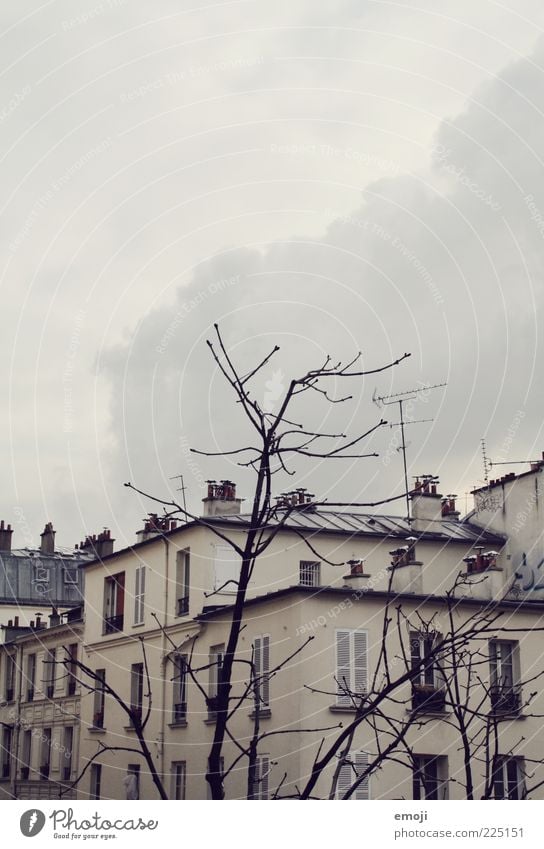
504	692
71	668
183	577
227	569
261	661
7	738
221	771
351	666
178	771
508	780
96	781
45	755
139	595
99	698
259	789
216	663
70	575
427	692
310	573
179	707
26	754
136	691
67	743
134	770
9	679
114	603
49	670
350	771
30	677
430	777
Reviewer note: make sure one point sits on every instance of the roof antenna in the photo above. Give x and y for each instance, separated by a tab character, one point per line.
181	488
486	462
399	398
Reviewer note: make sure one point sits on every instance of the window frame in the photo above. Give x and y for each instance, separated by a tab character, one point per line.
139	595
183	581
356	681
309	574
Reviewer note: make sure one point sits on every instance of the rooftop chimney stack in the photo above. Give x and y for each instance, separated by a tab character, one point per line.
100	545
5	537
155	526
449	511
426	503
221	499
47	545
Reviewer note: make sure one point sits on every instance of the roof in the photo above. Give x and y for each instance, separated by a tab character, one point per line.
376	525
336	522
525	605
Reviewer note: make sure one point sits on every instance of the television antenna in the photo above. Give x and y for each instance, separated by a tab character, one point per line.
181	488
487	464
400	398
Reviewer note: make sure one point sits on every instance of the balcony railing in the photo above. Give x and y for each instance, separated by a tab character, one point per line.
183	605
505	700
113	624
426	697
180	712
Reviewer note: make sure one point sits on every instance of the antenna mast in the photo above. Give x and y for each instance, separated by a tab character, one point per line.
399	398
181	488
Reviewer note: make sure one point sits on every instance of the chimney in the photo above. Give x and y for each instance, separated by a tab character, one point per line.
5	537
426	503
155	526
448	508
221	499
48	540
99	545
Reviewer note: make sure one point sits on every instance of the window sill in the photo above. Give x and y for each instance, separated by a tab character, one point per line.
438	714
342	709
138	624
94	729
210	720
264	713
181	723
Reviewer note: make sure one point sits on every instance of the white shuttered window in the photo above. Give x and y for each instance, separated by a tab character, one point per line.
227	565
261	660
351	665
348	775
139	595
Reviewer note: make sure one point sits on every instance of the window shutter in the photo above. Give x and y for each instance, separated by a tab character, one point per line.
343	667
360	662
137	597
265	686
361	763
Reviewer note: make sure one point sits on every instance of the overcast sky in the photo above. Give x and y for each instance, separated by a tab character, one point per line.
330	177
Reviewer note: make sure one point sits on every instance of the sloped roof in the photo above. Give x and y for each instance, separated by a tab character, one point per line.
375	525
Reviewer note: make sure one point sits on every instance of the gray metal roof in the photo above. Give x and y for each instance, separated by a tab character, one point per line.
376	525
28	576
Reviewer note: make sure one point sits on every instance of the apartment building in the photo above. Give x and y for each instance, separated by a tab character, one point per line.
156	627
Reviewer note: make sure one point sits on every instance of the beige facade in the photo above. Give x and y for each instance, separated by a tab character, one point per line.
40	709
170	595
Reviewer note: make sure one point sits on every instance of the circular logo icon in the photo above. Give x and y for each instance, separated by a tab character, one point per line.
32	822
